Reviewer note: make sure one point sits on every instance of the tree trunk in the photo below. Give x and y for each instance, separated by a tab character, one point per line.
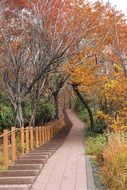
19	121
33	114
55	95
81	98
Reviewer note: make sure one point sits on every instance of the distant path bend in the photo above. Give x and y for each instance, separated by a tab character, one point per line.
66	169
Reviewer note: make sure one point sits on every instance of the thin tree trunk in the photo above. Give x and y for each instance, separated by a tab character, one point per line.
35	96
81	98
19	121
33	114
55	95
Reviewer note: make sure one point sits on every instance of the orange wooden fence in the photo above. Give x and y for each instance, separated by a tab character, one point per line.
19	141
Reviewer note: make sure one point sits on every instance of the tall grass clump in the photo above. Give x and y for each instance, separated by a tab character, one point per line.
114	170
95	145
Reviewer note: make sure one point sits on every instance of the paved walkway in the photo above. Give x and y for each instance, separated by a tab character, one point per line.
66	169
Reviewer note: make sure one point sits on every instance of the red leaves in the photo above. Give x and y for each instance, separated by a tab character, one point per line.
23	3
20	4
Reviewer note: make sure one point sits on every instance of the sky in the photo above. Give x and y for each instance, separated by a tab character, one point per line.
120	4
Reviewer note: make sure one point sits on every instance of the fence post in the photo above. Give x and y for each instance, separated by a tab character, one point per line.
22	139
48	133
58	125
43	135
13	148
36	134
40	136
46	140
31	138
51	131
56	128
27	139
5	147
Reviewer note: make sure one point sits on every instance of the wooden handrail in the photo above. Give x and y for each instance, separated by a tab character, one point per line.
9	132
29	138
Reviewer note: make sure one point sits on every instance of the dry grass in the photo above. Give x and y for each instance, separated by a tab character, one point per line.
114	170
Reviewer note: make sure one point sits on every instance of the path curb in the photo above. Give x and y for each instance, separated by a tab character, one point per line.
89	174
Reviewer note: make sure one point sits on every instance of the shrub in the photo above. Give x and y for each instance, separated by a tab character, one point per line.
114	171
6	116
80	109
45	112
95	144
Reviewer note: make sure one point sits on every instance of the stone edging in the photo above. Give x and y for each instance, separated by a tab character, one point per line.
89	174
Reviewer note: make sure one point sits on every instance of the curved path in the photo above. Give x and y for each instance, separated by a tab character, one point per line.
66	169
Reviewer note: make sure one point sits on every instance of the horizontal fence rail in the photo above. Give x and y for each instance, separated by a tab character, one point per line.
19	141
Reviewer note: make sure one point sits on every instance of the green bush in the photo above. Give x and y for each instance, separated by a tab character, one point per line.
6	116
99	128
45	112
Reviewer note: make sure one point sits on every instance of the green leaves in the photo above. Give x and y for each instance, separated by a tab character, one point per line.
46	111
6	116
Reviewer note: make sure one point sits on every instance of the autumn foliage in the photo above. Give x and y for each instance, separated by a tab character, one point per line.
47	45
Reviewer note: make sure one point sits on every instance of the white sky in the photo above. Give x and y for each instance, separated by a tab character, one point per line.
120	4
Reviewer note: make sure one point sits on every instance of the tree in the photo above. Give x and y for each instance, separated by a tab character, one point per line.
33	45
94	66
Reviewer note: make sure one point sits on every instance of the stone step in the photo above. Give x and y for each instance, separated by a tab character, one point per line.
43	151
49	146
30	161
17	180
38	153
11	173
46	148
33	157
26	166
15	187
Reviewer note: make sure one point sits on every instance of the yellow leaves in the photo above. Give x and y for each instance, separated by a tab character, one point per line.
82	72
115	89
111	84
117	67
83	75
114	93
120	124
104	117
117	125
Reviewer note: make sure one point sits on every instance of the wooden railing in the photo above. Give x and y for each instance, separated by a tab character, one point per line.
19	141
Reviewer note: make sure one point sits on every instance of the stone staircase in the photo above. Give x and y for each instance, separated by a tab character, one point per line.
22	173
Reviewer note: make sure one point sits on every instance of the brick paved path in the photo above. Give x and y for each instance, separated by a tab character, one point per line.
66	169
